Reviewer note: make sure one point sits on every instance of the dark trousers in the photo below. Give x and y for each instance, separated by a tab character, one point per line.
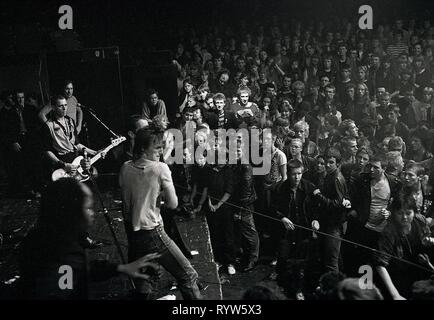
173	232
369	238
172	259
23	168
249	234
331	247
221	228
16	165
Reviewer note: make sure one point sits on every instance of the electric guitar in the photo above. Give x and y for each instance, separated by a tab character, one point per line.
80	175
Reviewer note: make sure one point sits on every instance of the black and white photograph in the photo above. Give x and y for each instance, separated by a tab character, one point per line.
224	151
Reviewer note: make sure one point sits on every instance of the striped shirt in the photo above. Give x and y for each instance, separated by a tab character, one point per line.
396	49
221	123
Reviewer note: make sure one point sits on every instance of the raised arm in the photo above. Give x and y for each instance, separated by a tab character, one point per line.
42	115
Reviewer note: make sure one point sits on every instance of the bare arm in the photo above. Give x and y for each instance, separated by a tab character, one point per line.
171	200
203	196
53	159
193	192
282	170
223	200
90	151
79	119
44	112
384	275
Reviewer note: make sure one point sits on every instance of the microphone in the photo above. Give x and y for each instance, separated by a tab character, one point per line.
85	107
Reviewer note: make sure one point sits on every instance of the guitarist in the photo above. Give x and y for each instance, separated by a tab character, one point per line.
60	140
60	147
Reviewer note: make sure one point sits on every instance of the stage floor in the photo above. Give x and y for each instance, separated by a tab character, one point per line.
17	216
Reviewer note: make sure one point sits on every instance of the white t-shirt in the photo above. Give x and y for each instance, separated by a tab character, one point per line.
141	183
71	111
380	196
278	159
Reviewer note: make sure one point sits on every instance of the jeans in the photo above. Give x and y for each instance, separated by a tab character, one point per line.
221	228
172	259
249	235
332	247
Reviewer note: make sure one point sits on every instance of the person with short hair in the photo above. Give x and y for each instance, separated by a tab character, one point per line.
18	142
415	183
125	153
397	46
407	237
348	101
153	106
285	91
392	116
350	289
348	150
226	119
418	148
329	135
146	184
293	204
333	200
371	194
244	198
245	110
348	128
364	112
418	111
74	110
344	81
223	85
60	145
301	130
294	151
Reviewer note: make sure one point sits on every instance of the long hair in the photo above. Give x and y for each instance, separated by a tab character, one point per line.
365	98
61	209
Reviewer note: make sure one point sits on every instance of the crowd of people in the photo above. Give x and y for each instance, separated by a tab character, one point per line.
348	118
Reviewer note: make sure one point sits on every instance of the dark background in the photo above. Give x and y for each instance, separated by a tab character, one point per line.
119	48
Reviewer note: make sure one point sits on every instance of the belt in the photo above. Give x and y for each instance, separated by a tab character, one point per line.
157	228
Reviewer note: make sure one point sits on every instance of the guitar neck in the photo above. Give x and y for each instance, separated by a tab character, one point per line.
96	157
114	143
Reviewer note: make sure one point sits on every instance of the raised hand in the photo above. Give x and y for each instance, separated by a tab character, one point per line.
135	268
70	168
288	224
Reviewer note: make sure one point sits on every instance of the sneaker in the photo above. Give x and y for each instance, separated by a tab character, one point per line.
231	270
299	296
168	297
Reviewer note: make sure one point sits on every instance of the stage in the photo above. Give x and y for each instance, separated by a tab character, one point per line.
17	216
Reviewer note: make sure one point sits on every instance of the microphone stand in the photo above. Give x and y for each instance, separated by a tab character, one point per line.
93	114
109	222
